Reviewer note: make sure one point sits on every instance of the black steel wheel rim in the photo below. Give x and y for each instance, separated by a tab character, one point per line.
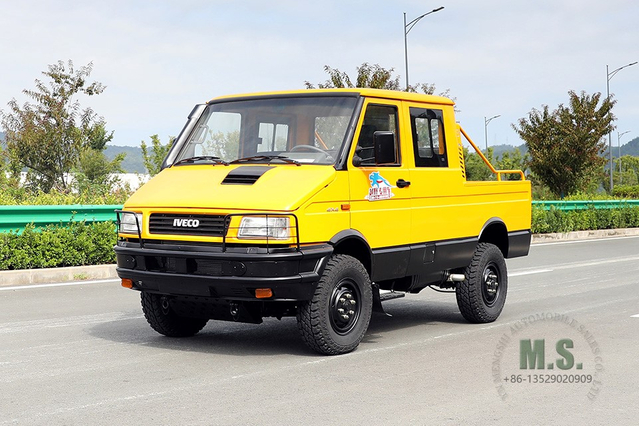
344	310
490	284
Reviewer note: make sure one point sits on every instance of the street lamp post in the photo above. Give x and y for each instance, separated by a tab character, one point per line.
407	28
486	121
609	76
619	135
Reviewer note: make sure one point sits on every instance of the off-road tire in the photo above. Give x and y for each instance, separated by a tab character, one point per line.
346	286
481	296
164	320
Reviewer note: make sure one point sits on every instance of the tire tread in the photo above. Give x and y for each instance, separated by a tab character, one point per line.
309	314
171	324
469	294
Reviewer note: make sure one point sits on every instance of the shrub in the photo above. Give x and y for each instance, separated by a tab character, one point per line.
72	244
626	191
554	220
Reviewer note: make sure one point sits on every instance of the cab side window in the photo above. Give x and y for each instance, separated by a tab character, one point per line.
429	144
377	118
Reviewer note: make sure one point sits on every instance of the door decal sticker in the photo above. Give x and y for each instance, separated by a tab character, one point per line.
380	188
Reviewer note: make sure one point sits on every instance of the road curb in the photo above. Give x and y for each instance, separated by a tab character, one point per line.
584	235
80	273
56	275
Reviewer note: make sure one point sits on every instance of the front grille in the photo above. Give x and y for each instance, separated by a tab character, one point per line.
188	224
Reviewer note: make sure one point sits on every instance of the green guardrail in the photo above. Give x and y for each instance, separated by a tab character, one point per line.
582	205
14	218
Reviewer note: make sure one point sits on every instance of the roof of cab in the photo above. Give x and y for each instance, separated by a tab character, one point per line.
366	92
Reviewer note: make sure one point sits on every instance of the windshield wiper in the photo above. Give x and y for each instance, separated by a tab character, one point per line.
267	158
213	159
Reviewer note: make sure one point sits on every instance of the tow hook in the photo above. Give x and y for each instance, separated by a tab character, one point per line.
166	305
235	310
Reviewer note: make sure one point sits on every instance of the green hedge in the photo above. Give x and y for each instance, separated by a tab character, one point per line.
80	243
553	220
626	191
72	244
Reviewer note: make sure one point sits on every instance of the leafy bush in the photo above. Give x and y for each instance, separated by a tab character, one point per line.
72	244
554	220
626	191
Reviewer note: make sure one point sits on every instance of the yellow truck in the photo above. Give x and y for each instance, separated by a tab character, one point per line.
319	204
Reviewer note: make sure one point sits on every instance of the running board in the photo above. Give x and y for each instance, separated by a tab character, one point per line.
378	298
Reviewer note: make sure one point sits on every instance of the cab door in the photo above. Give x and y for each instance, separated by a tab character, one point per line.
439	213
380	193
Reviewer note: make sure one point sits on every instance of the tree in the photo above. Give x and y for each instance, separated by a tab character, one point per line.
3	168
95	173
154	157
629	171
476	169
512	160
47	136
371	76
566	144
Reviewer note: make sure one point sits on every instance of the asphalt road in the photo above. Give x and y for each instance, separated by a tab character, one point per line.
83	354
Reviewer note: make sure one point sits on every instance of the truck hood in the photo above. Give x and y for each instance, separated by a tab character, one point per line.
236	187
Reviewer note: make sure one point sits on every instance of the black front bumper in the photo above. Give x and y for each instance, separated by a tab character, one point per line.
231	274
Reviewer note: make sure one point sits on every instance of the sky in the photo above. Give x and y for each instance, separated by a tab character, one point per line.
160	58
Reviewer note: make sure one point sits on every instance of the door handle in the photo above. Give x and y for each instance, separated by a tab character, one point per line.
401	183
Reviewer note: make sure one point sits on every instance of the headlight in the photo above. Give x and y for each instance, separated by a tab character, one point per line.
264	227
129	223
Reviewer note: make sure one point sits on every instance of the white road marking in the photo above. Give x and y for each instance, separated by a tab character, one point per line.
634	316
24	287
574	265
534	271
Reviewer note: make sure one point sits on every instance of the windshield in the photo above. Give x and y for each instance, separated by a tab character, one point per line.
298	130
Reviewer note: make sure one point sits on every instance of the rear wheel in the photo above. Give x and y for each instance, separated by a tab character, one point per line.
158	313
481	296
335	320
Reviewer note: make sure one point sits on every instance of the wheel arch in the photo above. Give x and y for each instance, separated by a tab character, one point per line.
495	232
353	243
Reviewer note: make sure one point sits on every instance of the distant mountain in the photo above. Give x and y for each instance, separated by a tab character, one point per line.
498	150
631	148
133	162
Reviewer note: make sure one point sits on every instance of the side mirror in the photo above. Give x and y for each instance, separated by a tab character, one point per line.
384	143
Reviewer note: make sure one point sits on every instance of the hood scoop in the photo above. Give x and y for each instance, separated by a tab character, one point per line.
245	175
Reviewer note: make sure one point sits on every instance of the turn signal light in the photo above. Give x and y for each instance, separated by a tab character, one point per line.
263	293
127	283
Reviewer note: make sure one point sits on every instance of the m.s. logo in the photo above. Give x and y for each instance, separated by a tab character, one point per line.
186	223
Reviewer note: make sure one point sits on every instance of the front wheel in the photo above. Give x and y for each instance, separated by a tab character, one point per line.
158	313
481	296
335	320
